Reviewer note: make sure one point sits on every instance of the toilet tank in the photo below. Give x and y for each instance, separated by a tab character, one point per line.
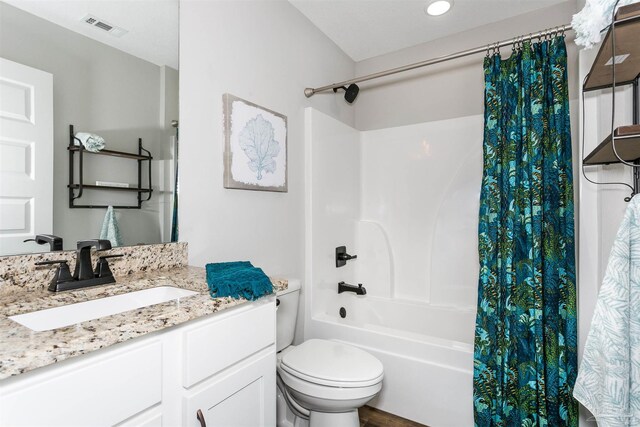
286	314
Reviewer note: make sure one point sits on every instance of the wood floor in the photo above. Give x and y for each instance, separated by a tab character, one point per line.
372	417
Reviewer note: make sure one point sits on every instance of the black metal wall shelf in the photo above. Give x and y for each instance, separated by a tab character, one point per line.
80	186
623	144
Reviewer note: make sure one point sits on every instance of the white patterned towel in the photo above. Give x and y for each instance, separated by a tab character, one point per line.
608	382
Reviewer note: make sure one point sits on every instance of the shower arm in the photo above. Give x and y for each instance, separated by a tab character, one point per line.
309	92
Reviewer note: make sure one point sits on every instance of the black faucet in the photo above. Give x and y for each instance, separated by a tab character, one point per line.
345	287
84	275
84	271
55	242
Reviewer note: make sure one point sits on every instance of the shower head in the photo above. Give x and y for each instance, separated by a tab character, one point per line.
350	93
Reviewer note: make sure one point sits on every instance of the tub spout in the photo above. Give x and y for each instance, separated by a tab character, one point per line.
345	287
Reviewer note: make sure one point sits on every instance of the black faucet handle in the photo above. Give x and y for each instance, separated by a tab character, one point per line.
52	262
110	256
102	266
342	256
62	275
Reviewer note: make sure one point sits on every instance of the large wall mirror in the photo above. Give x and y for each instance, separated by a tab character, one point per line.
110	70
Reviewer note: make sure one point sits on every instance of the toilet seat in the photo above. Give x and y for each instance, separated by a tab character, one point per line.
332	364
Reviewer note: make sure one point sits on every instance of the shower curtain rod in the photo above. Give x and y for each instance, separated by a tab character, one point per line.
309	92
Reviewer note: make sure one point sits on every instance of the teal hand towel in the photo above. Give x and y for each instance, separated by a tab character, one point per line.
110	229
239	279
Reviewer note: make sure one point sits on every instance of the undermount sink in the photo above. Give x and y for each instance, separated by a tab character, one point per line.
58	317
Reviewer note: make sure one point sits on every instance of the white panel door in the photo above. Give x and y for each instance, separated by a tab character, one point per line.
26	155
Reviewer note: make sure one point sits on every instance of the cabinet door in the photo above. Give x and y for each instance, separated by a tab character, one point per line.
243	396
98	391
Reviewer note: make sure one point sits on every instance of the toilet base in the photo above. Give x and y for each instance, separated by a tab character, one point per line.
334	419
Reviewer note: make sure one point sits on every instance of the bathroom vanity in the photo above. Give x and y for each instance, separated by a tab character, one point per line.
191	361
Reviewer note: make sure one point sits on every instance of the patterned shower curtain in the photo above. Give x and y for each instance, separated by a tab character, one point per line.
526	340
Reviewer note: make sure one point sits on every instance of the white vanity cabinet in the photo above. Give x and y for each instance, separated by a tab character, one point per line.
222	366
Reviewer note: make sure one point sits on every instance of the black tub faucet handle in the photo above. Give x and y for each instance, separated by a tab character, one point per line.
342	256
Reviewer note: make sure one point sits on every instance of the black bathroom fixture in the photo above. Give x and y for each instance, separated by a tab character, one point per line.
54	242
350	93
345	287
342	256
84	275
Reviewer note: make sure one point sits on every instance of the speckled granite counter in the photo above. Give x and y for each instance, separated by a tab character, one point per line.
22	349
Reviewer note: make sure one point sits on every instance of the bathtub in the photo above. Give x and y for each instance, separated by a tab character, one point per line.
427	352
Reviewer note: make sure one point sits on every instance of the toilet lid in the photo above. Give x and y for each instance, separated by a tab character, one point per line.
332	363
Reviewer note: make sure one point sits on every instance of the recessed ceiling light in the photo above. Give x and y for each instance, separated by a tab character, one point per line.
438	7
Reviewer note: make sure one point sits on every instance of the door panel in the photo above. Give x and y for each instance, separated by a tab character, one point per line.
26	156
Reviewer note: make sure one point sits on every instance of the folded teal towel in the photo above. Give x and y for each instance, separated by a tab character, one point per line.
239	279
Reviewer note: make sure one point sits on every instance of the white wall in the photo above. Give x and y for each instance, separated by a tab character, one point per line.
98	89
451	89
265	52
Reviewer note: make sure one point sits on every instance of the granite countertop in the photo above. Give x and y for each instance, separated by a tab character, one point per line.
22	349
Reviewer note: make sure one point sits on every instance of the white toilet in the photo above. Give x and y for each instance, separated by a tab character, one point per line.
320	383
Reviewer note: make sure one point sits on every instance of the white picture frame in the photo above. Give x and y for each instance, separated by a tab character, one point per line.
255	155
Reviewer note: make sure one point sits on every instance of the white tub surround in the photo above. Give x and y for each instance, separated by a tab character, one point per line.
405	200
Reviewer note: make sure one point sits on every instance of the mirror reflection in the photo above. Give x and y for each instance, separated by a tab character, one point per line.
88	123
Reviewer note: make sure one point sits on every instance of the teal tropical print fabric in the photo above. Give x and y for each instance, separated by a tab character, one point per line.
526	340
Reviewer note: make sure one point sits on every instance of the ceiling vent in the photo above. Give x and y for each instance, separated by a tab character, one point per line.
104	26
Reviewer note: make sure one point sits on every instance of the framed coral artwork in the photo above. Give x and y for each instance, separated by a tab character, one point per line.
255	156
